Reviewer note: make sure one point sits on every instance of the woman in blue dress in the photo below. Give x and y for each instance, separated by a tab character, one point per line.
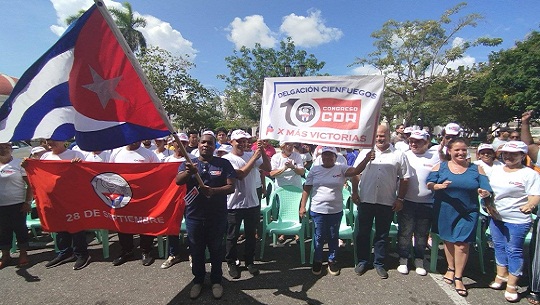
457	184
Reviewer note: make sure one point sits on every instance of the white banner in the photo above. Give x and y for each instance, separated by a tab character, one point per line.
341	111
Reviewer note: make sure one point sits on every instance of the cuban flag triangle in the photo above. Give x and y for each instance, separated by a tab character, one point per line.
88	85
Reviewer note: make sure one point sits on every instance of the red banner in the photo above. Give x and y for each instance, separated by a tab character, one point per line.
131	198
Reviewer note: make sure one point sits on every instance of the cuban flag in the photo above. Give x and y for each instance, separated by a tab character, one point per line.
88	85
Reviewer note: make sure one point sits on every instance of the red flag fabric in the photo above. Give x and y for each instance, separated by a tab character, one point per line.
138	198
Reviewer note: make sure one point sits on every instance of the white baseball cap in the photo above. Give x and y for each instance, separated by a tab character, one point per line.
419	135
330	149
485	146
515	146
408	130
239	134
37	150
209	132
452	129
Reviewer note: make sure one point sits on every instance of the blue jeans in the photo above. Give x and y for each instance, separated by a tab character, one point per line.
326	229
12	220
65	240
508	239
383	215
414	218
251	218
206	233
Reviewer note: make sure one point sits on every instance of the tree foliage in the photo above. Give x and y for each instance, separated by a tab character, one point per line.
514	80
126	22
415	55
247	70
189	104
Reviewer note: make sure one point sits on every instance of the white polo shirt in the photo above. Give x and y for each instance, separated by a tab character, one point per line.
380	179
245	193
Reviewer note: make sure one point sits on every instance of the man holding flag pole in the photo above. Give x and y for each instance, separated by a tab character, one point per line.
89	85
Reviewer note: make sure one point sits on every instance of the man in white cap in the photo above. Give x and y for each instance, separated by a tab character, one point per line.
381	192
243	204
415	217
450	131
161	151
403	144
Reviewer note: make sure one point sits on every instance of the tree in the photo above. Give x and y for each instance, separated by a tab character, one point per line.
247	70
413	55
126	22
514	79
188	103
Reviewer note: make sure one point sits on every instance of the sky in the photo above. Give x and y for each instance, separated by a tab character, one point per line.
206	31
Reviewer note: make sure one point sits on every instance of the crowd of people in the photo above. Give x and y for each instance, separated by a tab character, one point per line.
429	188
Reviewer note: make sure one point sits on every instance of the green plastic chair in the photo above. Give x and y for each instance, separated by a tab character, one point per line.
288	222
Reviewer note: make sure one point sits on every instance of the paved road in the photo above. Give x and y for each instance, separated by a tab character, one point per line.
283	280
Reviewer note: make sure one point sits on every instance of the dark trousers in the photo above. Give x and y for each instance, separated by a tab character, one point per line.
251	218
202	234
12	220
383	215
414	218
74	243
126	242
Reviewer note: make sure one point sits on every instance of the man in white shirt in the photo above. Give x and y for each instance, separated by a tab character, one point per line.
415	217
243	204
64	240
381	193
134	153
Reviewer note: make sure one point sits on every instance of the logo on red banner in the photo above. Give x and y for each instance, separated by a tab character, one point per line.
113	189
322	112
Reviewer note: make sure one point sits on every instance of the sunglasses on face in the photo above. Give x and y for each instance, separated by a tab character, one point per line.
450	137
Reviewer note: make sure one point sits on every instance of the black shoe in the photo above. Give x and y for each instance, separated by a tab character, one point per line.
60	259
316	268
382	272
360	268
147	259
81	262
124	257
253	270
234	271
333	268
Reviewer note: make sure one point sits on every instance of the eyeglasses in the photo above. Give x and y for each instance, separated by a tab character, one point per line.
514	137
450	137
485	152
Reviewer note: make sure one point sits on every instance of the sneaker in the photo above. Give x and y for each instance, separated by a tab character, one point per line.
171	260
316	268
190	262
333	268
60	259
124	257
421	271
382	272
234	271
81	262
147	259
195	291
253	270
360	269
217	291
403	269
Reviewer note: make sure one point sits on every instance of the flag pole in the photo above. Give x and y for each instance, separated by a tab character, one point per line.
147	85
